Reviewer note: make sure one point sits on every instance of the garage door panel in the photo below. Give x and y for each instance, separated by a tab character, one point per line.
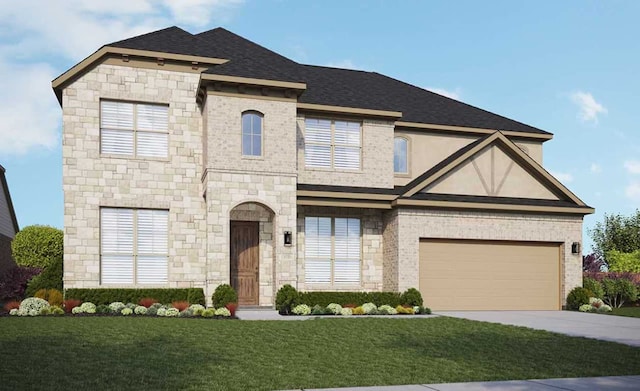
489	275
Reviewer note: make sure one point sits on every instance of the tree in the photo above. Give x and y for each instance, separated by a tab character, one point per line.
37	246
616	233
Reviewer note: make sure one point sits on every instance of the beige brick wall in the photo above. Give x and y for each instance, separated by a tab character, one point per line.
376	162
91	180
415	224
390	248
371	223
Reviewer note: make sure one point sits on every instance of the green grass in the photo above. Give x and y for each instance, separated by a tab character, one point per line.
199	354
633	312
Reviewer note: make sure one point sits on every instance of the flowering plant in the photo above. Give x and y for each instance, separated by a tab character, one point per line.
33	304
116	306
346	311
335	308
126	311
140	310
222	311
301	309
370	308
88	308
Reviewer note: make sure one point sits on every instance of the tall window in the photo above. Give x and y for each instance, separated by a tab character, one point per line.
251	133
332	144
332	250
134	246
400	154
134	129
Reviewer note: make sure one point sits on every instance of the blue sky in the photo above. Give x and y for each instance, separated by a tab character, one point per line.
565	67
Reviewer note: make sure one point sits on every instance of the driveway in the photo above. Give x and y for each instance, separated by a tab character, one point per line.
606	327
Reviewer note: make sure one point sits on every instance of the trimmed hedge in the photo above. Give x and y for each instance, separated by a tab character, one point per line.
50	278
37	246
358	298
107	296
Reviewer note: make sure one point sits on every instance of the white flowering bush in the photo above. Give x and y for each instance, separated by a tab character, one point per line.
301	309
346	312
370	308
335	308
196	309
33	305
161	311
172	312
88	308
387	310
595	305
222	311
140	310
126	311
116	306
76	310
13	312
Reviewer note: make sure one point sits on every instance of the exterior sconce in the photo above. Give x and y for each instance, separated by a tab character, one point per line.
575	248
288	238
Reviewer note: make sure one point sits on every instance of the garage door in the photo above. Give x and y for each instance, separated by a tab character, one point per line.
489	275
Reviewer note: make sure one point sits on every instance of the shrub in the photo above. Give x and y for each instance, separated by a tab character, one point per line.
180	305
208	313
37	246
593	263
318	310
87	308
161	311
33	304
386	310
103	309
55	310
222	312
223	295
53	296
232	308
349	305
301	309
50	278
346	311
126	311
402	310
14	304
70	304
594	286
618	291
585	308
13	283
152	311
354	298
423	310
163	295
172	312
370	308
577	297
140	310
13	312
358	311
335	308
619	261
287	298
45	311
130	306
117	306
147	302
411	297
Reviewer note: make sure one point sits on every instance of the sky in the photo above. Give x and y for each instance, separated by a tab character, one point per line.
570	68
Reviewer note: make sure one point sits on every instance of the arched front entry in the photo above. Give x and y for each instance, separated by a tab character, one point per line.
251	250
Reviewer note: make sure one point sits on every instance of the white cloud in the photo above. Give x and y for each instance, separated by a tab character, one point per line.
39	33
595	168
632	166
633	191
589	107
562	176
346	64
455	94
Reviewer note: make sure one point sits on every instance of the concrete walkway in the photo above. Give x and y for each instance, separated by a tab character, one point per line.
614	383
620	329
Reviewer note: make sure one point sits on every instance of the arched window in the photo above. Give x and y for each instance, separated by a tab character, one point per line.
252	133
400	155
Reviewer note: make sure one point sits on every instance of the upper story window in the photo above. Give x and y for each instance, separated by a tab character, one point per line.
400	155
332	144
251	133
134	129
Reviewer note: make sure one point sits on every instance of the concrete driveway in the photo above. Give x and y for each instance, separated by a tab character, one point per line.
606	327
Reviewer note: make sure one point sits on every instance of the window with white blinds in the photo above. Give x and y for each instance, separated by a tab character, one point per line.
134	129
134	246
332	250
332	144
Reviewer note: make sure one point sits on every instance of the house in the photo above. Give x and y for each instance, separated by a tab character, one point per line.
8	223
192	160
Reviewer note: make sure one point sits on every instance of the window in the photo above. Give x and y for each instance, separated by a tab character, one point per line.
400	154
251	134
332	144
134	129
332	250
134	246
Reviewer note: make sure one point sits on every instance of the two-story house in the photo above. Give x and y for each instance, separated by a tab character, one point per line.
196	160
8	224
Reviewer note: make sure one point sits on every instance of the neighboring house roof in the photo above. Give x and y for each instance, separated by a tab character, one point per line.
5	189
324	85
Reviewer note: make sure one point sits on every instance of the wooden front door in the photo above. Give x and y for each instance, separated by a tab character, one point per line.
245	260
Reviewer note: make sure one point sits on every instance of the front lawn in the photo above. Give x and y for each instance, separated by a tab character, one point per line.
123	353
633	312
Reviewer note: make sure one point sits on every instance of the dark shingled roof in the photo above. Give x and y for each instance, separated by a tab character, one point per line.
493	200
325	85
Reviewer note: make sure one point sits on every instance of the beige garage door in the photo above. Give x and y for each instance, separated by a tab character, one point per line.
489	275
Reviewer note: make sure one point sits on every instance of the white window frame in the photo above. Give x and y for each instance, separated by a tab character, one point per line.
135	130
406	156
261	116
333	144
333	280
136	254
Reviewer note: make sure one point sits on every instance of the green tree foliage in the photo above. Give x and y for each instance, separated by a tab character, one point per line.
618	291
617	233
623	262
37	246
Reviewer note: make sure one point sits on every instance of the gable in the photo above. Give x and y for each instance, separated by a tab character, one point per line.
8	227
492	172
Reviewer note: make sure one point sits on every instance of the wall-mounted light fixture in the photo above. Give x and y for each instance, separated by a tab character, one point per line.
288	238
575	248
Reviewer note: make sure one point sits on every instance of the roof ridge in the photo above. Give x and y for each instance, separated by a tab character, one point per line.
174	27
342	69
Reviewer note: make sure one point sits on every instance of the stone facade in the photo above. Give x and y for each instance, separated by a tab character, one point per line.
409	225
